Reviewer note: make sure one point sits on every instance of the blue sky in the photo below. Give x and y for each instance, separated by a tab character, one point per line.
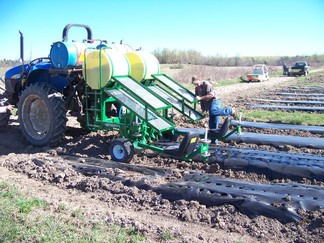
223	27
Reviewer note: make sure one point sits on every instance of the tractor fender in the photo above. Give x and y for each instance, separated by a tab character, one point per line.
42	75
12	78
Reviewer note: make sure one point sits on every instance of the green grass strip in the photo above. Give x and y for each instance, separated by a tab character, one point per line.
297	118
30	219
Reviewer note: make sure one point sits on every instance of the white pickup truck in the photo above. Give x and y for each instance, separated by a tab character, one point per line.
260	73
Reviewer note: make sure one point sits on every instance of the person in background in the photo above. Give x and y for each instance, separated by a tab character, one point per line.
4	109
209	101
285	69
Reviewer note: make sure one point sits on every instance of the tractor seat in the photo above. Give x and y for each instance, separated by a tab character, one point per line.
186	147
220	133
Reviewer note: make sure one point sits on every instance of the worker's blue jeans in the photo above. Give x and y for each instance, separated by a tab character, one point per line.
215	111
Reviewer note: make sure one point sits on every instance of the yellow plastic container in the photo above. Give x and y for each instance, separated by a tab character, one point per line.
100	66
143	65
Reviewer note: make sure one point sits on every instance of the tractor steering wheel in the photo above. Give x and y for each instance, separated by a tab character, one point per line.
38	60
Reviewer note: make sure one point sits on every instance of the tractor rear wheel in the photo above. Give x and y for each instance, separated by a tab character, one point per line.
42	114
121	150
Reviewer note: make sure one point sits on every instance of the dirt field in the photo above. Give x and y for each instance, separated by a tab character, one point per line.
110	195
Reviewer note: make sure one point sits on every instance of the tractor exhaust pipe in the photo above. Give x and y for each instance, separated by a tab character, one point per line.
21	53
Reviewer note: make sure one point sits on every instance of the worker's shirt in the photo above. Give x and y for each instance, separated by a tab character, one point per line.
202	90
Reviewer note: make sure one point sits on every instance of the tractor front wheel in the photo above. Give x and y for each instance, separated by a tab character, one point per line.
121	150
42	115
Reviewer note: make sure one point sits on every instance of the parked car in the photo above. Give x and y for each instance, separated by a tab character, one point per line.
298	69
260	73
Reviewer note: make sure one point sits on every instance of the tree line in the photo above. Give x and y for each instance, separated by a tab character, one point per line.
9	63
175	56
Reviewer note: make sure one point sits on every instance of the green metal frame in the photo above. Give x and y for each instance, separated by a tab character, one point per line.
136	96
237	129
201	149
156	78
184	105
131	125
95	113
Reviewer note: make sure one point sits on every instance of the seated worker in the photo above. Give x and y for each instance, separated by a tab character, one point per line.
209	101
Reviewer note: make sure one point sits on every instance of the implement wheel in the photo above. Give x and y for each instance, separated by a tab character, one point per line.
42	115
121	150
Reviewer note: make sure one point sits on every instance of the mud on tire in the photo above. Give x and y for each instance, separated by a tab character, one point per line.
42	115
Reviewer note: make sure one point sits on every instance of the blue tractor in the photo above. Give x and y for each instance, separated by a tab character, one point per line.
45	89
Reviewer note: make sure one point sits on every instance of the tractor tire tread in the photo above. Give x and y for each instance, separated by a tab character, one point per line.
58	114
